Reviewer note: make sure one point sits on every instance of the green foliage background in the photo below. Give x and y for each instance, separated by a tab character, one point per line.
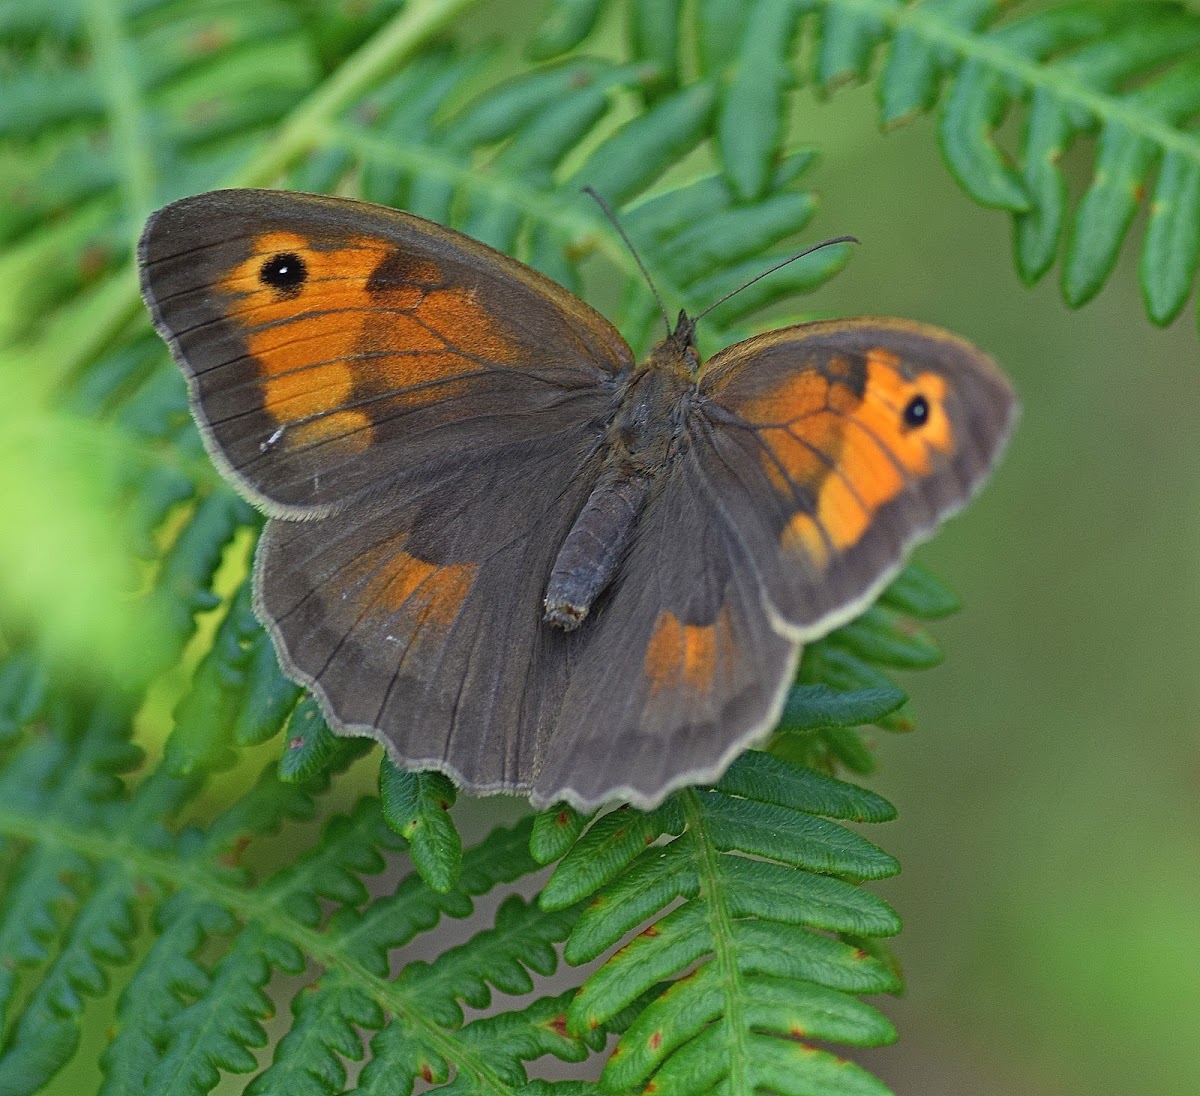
1049	820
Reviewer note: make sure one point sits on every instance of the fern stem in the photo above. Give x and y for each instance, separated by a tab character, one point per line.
991	52
126	108
711	892
407	32
415	24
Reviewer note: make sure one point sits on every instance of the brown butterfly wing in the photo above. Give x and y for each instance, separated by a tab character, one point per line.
421	417
678	667
328	342
811	450
415	617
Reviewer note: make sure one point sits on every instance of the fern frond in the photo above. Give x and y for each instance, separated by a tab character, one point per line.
155	993
521	941
759	871
195	1005
1127	75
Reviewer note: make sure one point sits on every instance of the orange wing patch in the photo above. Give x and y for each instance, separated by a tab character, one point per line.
803	536
795	454
851	453
403	584
333	329
684	656
475	332
888	393
413	600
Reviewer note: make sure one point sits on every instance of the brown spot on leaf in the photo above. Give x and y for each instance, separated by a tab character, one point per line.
92	260
210	39
234	856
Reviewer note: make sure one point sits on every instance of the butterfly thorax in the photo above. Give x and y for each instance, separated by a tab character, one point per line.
645	435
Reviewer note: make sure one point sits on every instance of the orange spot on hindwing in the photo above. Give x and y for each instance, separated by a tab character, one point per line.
411	602
802	535
686	655
410	585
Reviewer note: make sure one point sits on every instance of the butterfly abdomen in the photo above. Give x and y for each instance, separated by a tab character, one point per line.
594	547
641	437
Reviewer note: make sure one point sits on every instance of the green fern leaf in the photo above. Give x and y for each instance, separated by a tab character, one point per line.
23	685
567	24
881	635
312	747
750	120
748	922
325	1031
607	848
155	993
654	38
415	805
554	832
817	707
521	941
918	593
47	1033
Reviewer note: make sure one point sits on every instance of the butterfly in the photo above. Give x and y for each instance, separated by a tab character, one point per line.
504	548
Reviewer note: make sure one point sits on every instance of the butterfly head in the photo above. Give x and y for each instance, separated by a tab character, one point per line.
677	352
684	335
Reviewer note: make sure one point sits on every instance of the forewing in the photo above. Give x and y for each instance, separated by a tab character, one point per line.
416	619
328	342
807	448
678	667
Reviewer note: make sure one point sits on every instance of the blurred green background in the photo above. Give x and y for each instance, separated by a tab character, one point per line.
1050	797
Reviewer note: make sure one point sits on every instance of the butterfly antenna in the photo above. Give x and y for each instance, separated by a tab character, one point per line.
778	266
612	217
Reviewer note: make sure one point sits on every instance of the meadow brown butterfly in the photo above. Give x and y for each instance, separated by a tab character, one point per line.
502	547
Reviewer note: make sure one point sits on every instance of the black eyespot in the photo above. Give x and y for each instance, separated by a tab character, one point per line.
285	272
917	411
